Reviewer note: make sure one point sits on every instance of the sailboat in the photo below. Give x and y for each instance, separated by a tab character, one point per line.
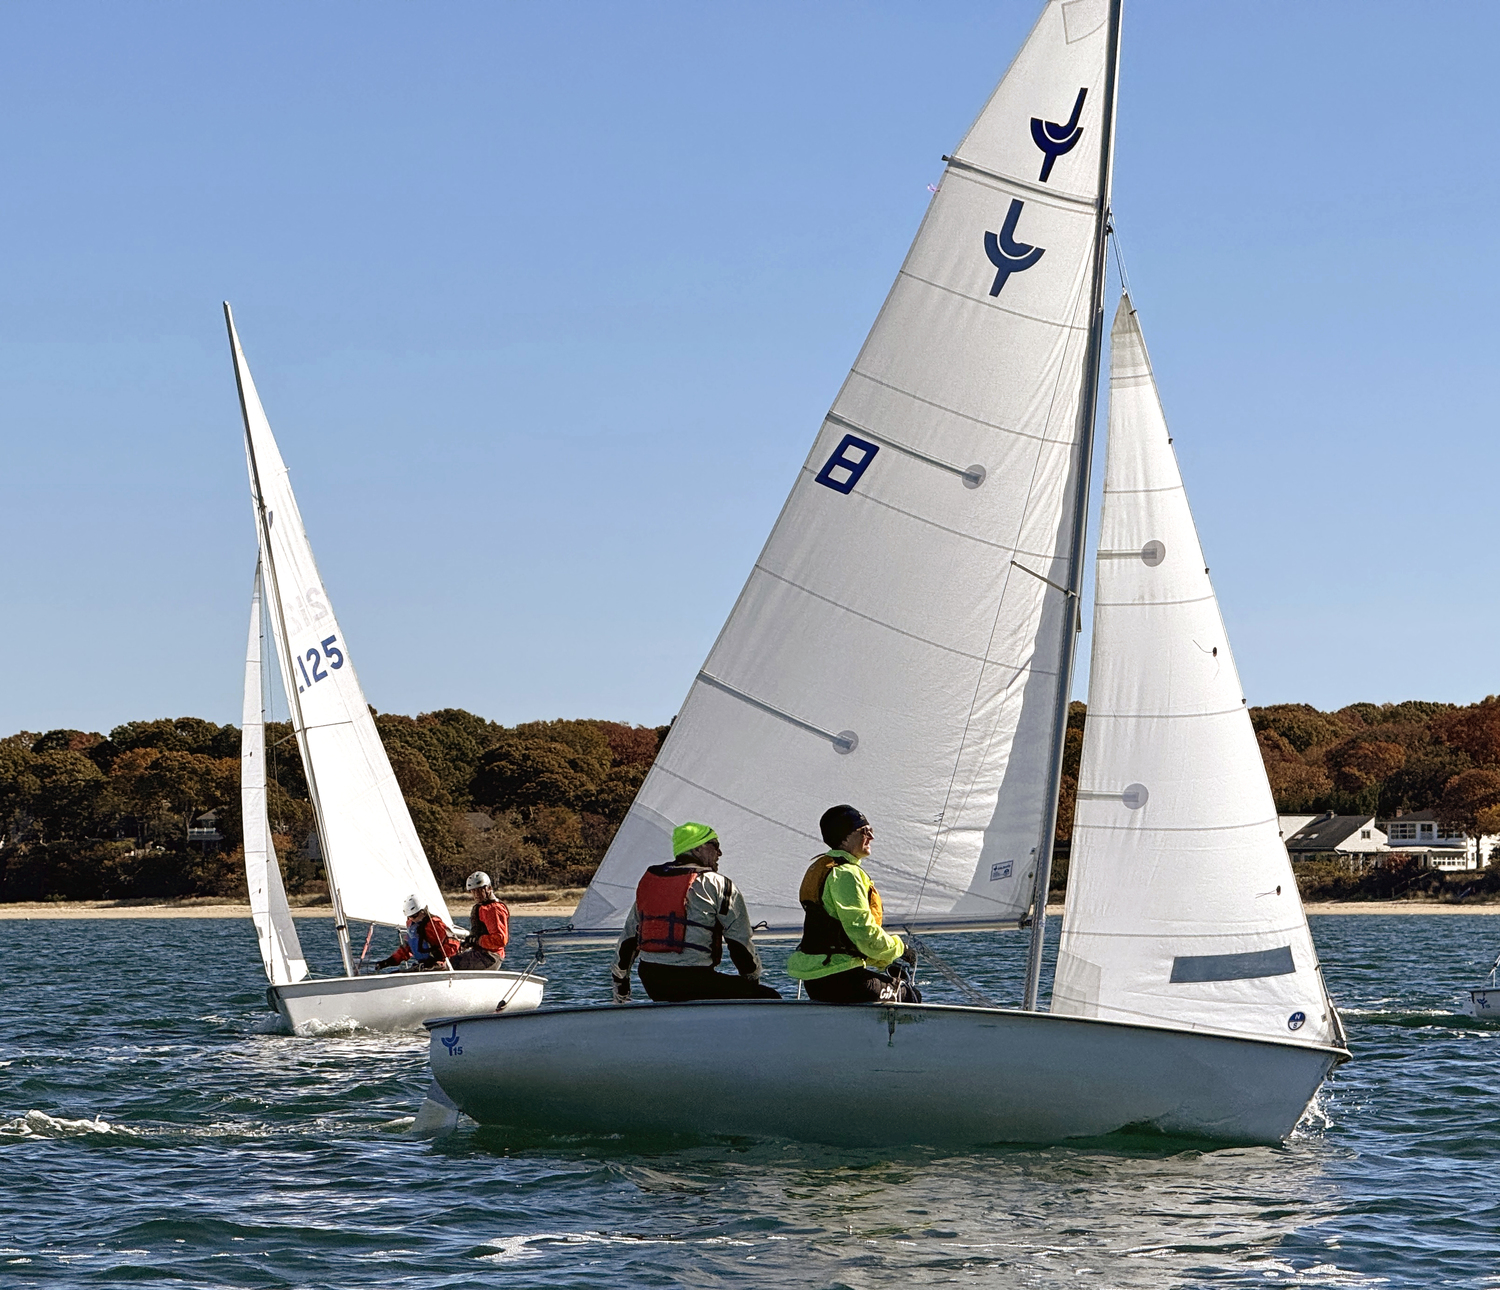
371	852
905	642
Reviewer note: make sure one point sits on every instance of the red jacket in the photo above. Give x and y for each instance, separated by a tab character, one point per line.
489	927
434	940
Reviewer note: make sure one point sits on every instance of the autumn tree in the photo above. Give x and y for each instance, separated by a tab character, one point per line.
1468	796
1473	731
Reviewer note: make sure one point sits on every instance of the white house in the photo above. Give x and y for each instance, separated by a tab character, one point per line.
1420	835
1356	839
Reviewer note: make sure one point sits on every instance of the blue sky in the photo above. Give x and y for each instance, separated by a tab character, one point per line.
546	302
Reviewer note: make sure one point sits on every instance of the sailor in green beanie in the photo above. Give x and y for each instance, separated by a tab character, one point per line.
685	913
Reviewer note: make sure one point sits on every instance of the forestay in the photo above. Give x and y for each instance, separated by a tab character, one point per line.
1182	908
370	847
280	949
897	643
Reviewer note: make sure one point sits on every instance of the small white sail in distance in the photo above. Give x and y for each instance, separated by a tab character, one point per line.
280	950
370	846
899	640
1182	908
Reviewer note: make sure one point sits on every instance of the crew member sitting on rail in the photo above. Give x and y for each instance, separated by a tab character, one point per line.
427	941
684	914
489	928
843	944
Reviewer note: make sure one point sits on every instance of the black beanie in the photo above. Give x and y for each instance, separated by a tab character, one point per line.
839	822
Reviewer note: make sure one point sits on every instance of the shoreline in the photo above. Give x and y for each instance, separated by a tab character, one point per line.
103	909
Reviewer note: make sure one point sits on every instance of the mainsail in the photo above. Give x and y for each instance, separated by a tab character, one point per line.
280	949
1182	908
900	641
370	847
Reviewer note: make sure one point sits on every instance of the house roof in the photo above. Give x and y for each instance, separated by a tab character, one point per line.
1327	831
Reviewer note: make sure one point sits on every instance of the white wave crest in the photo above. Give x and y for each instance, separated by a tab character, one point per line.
541	1244
38	1124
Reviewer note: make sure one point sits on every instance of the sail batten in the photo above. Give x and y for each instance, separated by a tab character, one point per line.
1182	907
884	651
371	851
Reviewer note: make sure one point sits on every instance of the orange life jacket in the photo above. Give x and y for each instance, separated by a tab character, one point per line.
661	907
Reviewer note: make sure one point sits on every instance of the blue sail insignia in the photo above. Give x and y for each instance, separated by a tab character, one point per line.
850	460
1054	139
1006	254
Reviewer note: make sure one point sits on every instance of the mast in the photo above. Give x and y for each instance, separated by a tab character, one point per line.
294	701
1087	413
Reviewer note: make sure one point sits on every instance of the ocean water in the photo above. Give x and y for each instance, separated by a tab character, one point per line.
155	1129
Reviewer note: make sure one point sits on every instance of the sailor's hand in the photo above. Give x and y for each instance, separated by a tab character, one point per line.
385	963
909	955
620	989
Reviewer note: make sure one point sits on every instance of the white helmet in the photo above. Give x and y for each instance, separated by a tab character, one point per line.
412	907
478	880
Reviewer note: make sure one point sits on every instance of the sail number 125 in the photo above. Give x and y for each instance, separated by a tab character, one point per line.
331	652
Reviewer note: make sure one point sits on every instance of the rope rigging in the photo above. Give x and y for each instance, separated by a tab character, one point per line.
974	995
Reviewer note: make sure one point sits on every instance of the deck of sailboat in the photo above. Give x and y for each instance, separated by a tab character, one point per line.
930	1073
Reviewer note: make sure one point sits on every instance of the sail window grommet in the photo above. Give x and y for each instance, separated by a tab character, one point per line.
1135	796
846	743
974	476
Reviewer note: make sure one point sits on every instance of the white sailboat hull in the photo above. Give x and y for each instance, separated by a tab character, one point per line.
399	1000
924	1074
1484	1001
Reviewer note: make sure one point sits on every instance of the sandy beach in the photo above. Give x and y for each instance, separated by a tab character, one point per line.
215	909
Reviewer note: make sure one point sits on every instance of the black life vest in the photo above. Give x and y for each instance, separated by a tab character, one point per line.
661	903
822	933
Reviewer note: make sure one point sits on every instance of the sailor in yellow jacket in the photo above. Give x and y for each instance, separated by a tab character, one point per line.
844	946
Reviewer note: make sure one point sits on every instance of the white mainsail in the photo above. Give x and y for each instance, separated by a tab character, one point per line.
897	644
370	847
280	950
1182	908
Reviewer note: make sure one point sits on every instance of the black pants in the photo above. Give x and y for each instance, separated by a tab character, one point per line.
477	959
860	985
679	984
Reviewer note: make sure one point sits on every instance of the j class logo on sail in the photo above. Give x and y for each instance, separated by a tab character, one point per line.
326	650
1053	139
1005	249
1006	254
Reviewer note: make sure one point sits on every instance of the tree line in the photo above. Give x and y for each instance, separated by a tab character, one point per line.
92	816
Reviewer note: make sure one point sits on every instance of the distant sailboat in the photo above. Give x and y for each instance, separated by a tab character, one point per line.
371	852
905	642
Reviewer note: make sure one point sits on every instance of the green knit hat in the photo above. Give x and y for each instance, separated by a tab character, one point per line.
687	836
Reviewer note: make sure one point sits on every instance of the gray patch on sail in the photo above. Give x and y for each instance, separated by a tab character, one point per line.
1075	989
1083	18
1233	967
1135	796
1153	553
